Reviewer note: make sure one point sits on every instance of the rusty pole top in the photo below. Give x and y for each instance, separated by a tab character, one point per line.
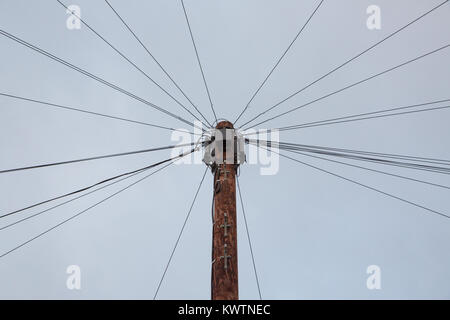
225	124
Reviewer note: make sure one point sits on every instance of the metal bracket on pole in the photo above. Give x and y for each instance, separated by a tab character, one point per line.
225	225
225	257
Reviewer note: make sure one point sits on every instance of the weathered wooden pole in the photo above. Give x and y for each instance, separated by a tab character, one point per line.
224	272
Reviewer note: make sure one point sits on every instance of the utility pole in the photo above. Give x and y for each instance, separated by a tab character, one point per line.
224	271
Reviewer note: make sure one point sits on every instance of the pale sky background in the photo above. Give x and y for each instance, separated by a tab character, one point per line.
313	234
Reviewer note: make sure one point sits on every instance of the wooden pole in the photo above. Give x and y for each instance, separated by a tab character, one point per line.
224	273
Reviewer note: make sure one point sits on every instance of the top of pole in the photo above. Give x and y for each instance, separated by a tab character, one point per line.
224	140
225	124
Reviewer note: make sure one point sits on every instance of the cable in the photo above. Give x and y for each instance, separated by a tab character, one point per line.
80	213
369	169
94	77
129	61
350	60
96	158
249	240
278	62
69	201
350	118
82	196
414	166
156	61
93	185
212	208
436	169
370	153
385	155
198	59
366	186
408	165
179	235
365	118
90	112
353	85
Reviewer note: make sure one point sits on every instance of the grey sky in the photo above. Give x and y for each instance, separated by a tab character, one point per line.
313	234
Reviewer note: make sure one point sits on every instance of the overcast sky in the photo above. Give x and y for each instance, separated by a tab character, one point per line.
313	234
